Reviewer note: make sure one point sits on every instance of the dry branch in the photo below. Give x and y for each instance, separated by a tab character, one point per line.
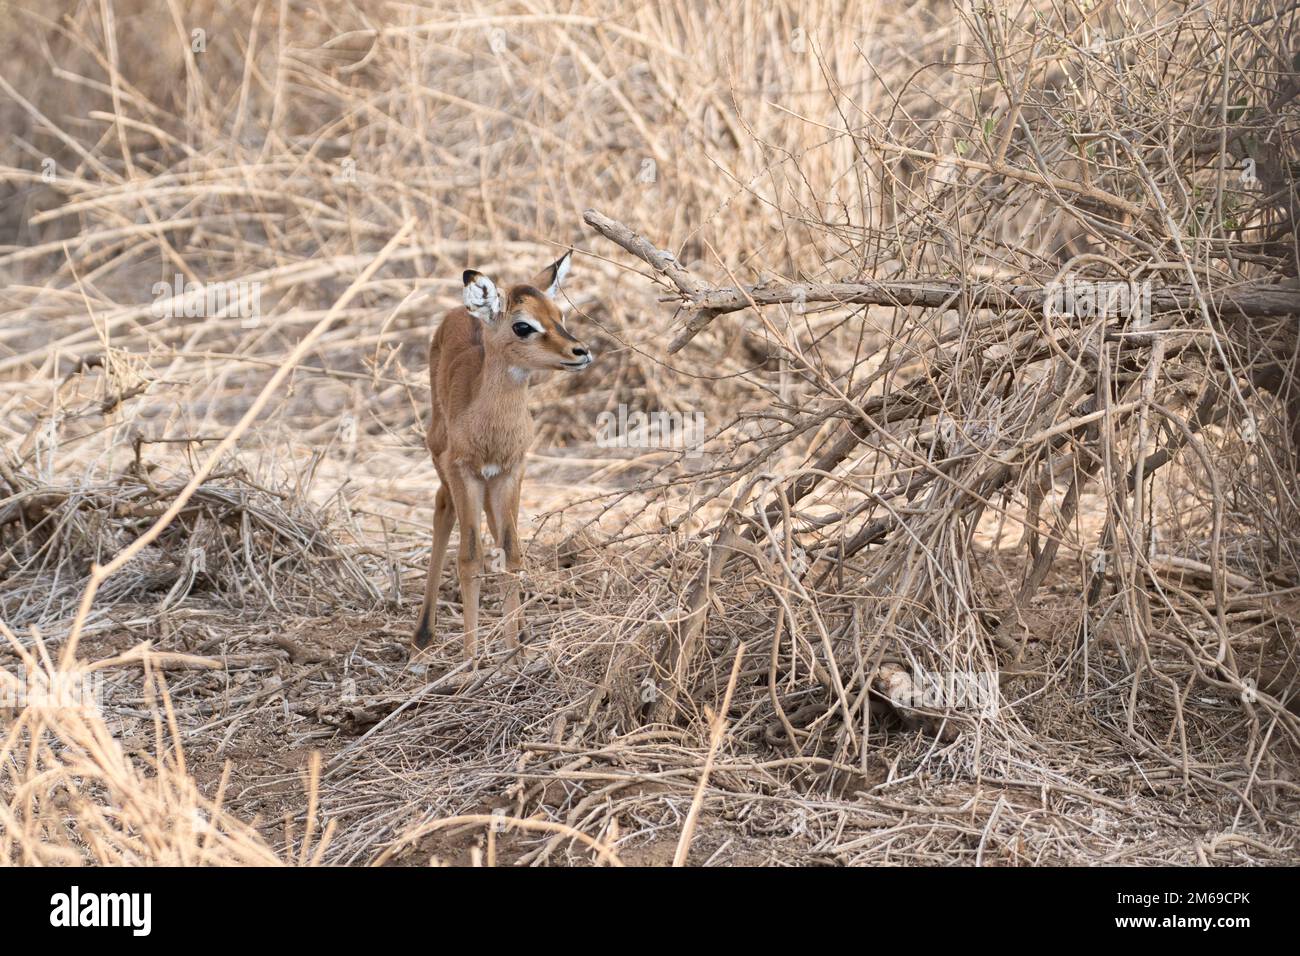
1249	300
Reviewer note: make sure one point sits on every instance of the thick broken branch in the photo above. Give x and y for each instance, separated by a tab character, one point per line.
1253	300
658	259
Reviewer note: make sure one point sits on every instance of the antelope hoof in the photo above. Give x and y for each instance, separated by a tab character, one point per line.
423	635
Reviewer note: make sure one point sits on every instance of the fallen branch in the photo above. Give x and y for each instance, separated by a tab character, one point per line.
1251	300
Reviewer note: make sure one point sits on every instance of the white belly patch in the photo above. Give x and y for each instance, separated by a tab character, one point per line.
491	471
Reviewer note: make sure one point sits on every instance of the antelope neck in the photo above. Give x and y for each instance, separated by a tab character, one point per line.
500	376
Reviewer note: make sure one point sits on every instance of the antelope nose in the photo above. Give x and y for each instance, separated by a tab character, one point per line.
579	351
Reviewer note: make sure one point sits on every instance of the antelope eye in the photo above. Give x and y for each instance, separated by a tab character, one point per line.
522	329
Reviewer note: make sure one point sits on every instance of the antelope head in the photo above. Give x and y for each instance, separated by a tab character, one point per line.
524	325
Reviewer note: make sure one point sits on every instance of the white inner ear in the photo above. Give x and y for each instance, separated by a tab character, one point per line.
482	299
561	272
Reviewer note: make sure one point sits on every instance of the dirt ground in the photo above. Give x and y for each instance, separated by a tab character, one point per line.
404	741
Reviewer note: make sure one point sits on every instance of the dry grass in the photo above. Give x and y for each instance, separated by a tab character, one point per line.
228	519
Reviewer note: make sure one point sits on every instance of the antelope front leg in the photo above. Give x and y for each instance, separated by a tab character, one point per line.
467	492
444	517
503	516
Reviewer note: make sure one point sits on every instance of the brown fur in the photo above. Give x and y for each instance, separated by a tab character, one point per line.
480	432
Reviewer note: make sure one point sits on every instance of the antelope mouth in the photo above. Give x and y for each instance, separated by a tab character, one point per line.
577	366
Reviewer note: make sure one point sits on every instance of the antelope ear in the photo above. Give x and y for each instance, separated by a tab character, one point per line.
481	297
552	277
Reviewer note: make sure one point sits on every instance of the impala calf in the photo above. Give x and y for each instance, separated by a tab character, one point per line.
480	361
